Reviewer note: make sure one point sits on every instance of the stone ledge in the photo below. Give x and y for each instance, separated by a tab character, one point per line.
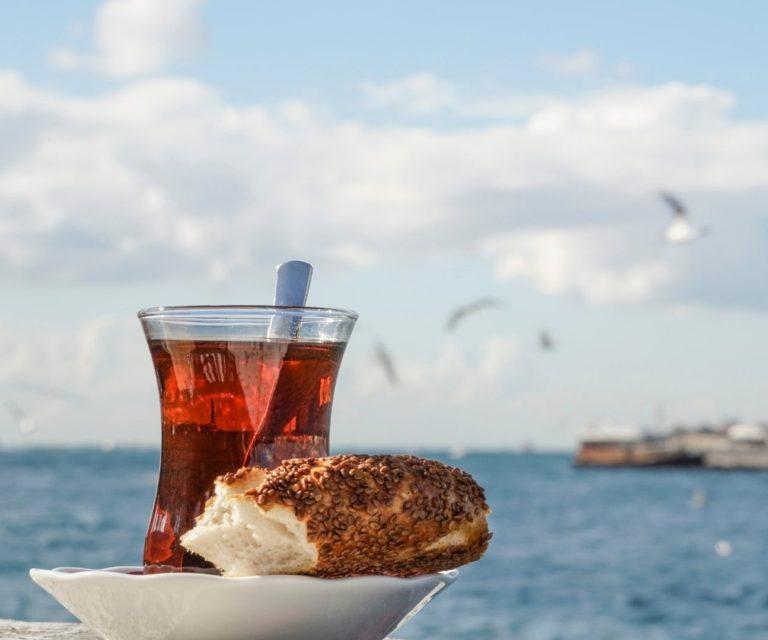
15	630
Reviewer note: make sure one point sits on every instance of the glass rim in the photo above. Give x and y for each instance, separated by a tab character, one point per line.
235	312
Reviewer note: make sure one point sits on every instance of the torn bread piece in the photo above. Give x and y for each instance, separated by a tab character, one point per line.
343	516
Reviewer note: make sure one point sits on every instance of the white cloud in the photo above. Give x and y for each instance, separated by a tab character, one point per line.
659	110
424	93
575	63
137	37
164	178
416	93
596	265
76	383
65	59
455	376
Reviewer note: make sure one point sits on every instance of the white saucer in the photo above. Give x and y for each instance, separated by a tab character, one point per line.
174	606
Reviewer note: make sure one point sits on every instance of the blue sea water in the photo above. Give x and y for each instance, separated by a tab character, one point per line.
577	554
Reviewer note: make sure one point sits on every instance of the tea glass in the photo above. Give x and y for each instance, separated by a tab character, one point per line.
239	386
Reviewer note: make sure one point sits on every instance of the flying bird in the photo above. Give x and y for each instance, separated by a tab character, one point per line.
24	422
546	343
459	313
382	356
681	230
674	203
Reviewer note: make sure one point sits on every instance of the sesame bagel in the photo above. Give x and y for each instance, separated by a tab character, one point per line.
343	516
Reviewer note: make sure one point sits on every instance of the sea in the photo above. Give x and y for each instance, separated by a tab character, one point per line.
662	554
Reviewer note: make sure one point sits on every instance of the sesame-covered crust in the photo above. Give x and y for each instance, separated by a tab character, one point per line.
240	474
381	515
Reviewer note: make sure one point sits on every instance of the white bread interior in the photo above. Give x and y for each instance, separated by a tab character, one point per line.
456	538
242	539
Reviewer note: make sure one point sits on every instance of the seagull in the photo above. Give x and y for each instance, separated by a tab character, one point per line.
680	230
459	313
381	353
545	341
723	548
25	423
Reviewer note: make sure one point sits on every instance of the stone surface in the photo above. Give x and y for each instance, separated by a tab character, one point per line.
14	630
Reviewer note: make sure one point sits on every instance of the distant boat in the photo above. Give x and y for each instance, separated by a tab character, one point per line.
628	446
527	447
729	446
457	452
747	433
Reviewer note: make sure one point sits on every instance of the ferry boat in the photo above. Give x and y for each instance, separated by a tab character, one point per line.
627	446
729	446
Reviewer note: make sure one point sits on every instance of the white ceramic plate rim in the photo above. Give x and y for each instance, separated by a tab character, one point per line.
129	573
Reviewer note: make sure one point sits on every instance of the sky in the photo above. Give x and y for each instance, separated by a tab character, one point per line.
419	155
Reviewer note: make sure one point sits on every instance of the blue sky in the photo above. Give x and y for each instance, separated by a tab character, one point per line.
256	51
420	155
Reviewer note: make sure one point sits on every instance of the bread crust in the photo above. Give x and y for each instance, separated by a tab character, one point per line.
383	515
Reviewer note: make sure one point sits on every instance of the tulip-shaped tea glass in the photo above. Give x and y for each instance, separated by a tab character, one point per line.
239	386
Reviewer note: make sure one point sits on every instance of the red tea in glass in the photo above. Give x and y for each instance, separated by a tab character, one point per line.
237	388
